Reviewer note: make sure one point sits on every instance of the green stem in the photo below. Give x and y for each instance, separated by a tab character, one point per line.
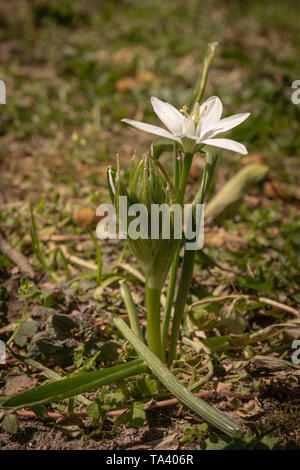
187	162
177	166
189	260
185	171
188	158
183	289
131	310
169	304
202	78
153	319
98	257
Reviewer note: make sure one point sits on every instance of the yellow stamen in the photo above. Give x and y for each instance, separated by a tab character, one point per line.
184	110
196	115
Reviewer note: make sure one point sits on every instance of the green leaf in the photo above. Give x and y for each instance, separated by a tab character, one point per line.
229	197
216	341
93	410
202	78
215	443
10	423
297	298
28	329
269	441
256	284
211	159
161	145
138	414
40	411
131	310
72	386
140	387
207	412
135	415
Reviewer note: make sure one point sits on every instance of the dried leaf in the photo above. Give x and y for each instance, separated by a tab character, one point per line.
18	384
249	409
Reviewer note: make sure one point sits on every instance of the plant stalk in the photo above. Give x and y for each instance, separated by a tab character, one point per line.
169	304
185	171
131	310
183	290
188	261
202	78
153	319
187	162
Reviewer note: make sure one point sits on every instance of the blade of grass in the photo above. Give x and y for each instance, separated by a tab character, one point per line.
65	264
98	258
131	310
35	240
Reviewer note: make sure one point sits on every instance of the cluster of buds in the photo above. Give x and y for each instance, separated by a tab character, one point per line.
150	194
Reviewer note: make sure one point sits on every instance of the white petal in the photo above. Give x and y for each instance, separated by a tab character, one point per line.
213	111
142	126
227	144
189	127
169	115
226	124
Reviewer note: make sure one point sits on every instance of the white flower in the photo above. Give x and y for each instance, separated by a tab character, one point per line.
199	127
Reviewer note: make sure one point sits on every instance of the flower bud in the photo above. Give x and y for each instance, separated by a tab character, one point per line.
148	186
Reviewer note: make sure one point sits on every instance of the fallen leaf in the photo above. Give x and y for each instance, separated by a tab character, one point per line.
255	158
10	423
277	190
18	384
145	76
126	83
168	443
224	387
85	217
219	237
249	409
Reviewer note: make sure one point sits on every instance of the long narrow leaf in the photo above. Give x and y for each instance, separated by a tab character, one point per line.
131	310
232	192
164	374
72	386
202	78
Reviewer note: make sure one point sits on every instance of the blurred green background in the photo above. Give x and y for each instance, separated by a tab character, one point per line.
74	68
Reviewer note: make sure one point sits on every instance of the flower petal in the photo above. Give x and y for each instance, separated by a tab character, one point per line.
211	111
189	127
169	115
225	124
142	126
227	144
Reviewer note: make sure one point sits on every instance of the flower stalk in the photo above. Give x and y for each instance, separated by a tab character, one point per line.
189	259
153	319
